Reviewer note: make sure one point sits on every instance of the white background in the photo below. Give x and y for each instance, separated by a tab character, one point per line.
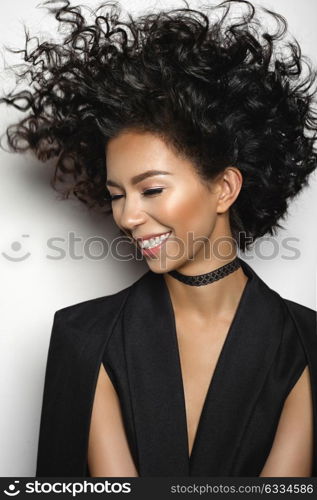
33	289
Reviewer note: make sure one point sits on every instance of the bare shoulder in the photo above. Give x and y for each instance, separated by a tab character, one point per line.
108	450
292	452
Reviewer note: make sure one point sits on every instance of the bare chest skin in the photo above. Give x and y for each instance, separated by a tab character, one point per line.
199	350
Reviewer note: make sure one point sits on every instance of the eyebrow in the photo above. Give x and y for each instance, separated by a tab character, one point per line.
140	177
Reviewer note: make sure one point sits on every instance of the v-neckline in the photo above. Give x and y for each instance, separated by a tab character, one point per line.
155	382
216	370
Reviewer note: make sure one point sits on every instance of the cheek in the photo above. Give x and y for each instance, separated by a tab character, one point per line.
191	211
176	209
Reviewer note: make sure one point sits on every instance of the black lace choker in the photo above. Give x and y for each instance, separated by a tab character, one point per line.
205	279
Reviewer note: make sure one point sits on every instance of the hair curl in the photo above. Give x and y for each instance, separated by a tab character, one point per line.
220	92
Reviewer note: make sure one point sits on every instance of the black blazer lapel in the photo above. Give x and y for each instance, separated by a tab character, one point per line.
158	403
246	357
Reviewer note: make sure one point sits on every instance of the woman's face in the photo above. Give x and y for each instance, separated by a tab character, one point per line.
174	203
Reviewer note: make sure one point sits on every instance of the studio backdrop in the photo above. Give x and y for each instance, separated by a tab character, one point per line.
55	252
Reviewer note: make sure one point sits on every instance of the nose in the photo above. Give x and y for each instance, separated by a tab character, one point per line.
131	215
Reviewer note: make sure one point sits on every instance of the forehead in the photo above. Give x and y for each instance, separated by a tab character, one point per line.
133	152
134	139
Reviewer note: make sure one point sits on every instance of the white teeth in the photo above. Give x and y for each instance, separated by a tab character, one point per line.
153	242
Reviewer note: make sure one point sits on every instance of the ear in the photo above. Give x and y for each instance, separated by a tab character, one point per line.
229	186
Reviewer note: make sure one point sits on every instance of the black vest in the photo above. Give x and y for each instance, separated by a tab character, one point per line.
132	332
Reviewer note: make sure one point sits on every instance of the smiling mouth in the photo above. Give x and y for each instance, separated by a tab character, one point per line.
152	243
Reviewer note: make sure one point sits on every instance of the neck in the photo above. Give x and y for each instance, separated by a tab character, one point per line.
204	303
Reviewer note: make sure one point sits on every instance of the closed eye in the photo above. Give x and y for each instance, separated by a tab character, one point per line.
147	192
114	197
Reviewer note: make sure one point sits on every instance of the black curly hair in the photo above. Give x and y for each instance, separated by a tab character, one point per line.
221	90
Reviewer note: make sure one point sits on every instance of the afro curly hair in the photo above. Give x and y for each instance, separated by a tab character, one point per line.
221	89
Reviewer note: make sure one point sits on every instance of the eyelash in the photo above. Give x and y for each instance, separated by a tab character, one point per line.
147	192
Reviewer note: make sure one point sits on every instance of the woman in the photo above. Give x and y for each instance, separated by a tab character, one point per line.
197	131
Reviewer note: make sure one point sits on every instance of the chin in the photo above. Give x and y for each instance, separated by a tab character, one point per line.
155	266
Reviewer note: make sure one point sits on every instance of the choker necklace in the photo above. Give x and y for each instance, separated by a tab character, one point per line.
205	279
